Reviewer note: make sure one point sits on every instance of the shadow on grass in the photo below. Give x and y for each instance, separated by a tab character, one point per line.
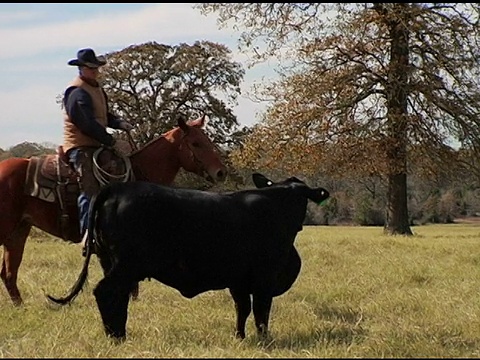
336	327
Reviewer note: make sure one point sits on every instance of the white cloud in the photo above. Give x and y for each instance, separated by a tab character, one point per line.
31	114
38	43
165	23
13	17
39	98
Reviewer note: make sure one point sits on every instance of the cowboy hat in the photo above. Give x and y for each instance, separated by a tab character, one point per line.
87	57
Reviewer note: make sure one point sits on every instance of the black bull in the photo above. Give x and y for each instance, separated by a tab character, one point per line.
196	241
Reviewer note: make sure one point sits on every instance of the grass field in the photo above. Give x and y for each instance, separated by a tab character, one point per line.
359	294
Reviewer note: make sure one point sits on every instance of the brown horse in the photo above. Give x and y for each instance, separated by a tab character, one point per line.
159	161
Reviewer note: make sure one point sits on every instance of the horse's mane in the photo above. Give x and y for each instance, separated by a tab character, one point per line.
150	142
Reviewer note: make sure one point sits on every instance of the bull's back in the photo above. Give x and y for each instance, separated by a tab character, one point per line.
146	210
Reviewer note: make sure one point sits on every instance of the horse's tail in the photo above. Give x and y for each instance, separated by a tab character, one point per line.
78	286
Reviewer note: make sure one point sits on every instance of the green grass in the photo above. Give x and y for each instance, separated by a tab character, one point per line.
359	294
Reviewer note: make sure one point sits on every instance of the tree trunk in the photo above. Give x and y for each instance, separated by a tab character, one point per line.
397	113
397	211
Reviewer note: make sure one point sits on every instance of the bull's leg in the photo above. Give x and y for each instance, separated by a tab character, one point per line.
261	312
243	307
106	264
134	292
13	250
112	295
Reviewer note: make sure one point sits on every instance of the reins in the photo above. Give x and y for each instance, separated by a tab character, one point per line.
131	141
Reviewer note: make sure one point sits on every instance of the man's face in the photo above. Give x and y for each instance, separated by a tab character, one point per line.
89	73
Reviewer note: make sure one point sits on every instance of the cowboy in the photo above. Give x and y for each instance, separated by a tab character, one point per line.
86	118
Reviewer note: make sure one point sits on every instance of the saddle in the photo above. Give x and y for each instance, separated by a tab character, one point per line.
51	178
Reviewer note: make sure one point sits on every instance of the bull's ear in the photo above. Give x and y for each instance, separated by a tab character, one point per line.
294	179
318	195
261	181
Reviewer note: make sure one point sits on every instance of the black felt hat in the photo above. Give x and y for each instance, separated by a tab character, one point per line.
87	57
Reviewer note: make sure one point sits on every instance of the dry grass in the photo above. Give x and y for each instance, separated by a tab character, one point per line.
359	294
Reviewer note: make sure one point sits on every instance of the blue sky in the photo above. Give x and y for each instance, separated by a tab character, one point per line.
37	40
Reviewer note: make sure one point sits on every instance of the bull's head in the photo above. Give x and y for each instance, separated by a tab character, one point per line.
317	195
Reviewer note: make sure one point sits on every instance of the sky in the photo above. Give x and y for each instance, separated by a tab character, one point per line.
37	41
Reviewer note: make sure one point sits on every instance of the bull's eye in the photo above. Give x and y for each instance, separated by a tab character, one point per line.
195	144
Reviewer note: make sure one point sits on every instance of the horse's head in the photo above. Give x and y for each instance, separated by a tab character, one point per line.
197	153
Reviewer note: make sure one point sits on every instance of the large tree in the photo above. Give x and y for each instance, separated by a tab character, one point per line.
151	84
367	86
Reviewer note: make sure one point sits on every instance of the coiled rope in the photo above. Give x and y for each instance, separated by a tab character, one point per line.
104	177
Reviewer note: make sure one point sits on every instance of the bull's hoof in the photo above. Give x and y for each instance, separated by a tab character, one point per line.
116	337
240	335
17	301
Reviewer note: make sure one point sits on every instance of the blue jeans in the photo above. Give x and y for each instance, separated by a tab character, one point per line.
82	161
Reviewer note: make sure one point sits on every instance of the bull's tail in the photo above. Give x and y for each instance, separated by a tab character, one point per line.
78	286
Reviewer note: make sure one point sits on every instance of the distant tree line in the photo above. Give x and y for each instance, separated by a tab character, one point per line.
354	200
27	149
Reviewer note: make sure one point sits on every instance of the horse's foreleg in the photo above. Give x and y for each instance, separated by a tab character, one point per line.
12	257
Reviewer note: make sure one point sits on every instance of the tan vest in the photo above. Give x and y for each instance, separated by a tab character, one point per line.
72	136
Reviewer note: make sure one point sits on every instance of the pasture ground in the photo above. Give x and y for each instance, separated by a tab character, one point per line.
359	294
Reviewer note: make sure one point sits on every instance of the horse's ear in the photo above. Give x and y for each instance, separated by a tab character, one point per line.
200	122
182	123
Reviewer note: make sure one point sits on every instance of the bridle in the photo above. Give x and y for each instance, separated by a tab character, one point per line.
193	156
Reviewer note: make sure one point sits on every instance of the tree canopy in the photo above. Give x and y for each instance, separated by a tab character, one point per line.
151	84
368	87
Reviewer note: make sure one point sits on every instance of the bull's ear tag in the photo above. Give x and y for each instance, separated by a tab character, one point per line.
323	202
